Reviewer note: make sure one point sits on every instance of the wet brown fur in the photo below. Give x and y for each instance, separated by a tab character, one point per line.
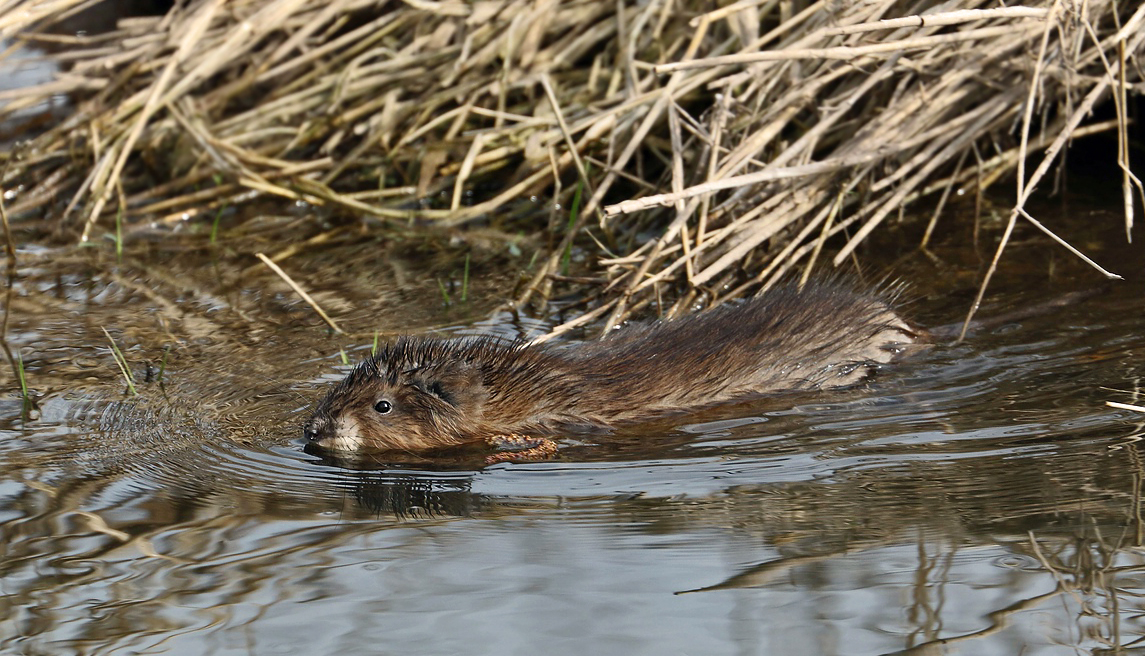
447	393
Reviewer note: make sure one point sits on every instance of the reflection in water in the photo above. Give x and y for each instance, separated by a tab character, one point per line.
410	496
979	499
868	559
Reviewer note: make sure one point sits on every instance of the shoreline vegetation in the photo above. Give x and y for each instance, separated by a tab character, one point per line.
704	153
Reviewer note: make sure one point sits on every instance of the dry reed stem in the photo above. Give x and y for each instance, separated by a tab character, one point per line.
774	131
1131	27
934	20
843	52
1125	406
298	290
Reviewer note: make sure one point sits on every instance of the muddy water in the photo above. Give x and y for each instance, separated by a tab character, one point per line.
978	499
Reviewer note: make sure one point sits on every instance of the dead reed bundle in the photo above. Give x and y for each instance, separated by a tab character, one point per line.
773	128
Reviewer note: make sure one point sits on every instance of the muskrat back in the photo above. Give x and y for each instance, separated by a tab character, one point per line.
424	393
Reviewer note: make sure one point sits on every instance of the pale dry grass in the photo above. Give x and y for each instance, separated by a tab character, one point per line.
750	134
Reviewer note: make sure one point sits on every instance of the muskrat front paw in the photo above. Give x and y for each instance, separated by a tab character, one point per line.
520	448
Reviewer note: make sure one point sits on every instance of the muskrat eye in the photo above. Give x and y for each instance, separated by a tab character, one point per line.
383	407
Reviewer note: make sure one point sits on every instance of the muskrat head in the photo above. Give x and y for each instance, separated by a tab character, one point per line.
391	403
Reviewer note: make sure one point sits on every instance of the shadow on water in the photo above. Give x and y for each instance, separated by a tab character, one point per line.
964	500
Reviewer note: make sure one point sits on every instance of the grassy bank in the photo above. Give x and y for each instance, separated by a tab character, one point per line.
710	151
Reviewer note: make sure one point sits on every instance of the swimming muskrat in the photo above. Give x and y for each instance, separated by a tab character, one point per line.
420	394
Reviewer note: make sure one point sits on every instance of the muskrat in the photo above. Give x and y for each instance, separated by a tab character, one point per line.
421	394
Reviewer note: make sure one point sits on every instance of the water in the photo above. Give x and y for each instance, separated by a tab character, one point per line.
979	498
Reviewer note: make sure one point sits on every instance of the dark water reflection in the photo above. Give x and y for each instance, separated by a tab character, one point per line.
979	499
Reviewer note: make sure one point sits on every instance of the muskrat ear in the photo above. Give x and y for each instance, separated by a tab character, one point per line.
457	383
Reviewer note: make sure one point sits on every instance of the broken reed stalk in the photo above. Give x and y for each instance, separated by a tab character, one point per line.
773	136
301	292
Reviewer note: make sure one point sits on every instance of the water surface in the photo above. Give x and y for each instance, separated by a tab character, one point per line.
979	498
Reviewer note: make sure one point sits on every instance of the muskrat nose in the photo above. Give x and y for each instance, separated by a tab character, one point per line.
310	431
